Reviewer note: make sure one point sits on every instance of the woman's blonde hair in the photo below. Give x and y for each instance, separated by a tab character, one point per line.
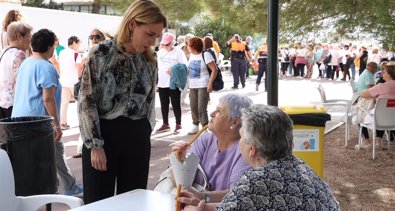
143	12
12	16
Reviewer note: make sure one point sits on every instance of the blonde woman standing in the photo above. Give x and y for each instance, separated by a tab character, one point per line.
117	105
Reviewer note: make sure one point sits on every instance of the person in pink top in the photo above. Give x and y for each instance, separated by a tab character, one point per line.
381	90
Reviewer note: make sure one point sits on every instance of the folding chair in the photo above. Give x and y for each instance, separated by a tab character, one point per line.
225	66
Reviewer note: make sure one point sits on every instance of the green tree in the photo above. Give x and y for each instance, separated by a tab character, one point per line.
33	3
96	5
175	10
245	16
220	29
341	19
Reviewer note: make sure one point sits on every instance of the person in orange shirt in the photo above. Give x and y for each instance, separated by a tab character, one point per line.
240	53
260	60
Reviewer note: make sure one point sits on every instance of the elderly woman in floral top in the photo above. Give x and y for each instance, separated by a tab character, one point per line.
279	180
19	35
116	105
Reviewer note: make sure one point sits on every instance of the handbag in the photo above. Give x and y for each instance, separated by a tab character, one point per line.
165	184
218	83
327	59
322	66
77	89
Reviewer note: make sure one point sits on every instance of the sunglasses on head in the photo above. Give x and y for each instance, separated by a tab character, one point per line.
96	36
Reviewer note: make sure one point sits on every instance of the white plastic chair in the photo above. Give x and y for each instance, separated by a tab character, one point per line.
10	202
225	66
345	105
383	119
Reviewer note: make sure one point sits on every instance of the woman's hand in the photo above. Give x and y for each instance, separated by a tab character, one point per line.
99	159
57	134
181	148
200	207
190	197
209	87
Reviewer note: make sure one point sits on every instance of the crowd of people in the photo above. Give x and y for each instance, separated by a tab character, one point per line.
246	154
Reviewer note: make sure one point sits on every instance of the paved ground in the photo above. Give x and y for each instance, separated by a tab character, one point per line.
292	92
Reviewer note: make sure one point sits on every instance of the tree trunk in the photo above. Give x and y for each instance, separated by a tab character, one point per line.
96	7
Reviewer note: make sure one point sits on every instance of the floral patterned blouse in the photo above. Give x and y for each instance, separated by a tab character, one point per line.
113	84
284	184
9	64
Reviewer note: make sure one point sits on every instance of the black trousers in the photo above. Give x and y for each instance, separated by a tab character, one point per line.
5	112
299	70
127	146
261	71
365	133
330	73
166	95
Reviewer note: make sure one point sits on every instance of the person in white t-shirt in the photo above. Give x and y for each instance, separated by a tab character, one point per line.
200	82
334	63
168	56
70	70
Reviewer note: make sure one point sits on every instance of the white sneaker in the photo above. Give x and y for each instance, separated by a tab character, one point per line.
194	130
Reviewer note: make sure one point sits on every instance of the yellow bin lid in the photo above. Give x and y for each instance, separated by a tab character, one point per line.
303	109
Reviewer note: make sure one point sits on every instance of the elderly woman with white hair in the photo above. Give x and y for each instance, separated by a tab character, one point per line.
279	180
19	36
218	150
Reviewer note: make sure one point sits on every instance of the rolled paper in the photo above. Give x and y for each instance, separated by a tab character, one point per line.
178	154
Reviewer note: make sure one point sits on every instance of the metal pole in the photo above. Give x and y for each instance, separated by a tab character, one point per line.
272	92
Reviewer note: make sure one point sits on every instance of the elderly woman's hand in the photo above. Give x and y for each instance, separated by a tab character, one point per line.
190	197
200	207
181	148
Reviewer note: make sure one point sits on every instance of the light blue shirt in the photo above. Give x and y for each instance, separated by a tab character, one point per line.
33	76
364	80
317	55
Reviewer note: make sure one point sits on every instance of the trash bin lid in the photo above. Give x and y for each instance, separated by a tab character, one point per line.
303	109
307	115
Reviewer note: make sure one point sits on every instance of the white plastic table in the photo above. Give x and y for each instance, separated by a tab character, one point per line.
136	200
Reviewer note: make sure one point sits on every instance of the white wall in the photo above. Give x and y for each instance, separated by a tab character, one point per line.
64	23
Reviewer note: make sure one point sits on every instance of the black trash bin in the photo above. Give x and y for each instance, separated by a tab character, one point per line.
30	145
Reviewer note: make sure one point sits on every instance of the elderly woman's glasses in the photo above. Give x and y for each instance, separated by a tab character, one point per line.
96	36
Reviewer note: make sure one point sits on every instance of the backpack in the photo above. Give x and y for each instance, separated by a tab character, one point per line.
286	58
218	83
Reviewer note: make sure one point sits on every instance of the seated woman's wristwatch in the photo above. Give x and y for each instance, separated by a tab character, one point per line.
206	197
